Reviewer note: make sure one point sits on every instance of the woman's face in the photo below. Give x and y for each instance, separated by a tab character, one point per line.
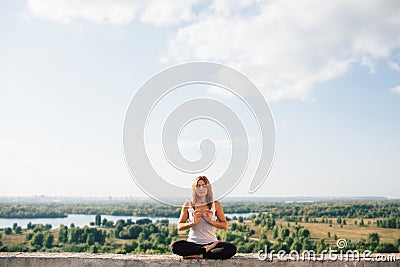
201	189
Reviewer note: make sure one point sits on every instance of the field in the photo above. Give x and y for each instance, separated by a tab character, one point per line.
350	231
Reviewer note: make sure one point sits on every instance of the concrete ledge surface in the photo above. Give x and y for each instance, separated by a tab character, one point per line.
20	259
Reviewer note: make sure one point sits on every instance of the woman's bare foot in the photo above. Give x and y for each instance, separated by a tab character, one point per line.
213	245
197	256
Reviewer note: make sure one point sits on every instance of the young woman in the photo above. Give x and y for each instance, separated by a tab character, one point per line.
201	212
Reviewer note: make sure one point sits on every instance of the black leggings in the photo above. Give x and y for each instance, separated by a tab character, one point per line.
223	250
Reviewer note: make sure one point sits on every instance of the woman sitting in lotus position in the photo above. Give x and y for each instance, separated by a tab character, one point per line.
201	212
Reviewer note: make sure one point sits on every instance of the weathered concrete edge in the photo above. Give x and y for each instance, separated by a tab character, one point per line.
87	259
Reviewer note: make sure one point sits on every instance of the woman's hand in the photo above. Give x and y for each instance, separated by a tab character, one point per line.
207	216
197	216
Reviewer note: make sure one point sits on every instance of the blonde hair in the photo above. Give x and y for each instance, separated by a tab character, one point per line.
209	196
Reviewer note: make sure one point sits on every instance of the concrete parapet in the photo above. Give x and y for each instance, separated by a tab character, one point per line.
19	259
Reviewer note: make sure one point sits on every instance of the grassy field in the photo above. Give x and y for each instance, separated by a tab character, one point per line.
350	231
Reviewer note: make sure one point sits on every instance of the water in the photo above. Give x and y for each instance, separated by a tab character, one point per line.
83	219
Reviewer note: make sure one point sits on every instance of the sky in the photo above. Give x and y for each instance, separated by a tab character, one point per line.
330	72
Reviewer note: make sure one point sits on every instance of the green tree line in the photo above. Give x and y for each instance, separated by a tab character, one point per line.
355	209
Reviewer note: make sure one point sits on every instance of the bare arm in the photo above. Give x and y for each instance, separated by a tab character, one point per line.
183	224
222	223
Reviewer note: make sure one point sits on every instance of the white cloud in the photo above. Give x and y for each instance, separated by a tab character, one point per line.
118	12
396	89
229	8
288	47
394	66
366	61
167	12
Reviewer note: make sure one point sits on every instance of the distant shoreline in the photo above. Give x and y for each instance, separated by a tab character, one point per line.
86	200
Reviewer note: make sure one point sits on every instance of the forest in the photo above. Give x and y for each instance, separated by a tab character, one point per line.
372	225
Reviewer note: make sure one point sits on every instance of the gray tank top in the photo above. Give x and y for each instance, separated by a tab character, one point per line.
203	232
